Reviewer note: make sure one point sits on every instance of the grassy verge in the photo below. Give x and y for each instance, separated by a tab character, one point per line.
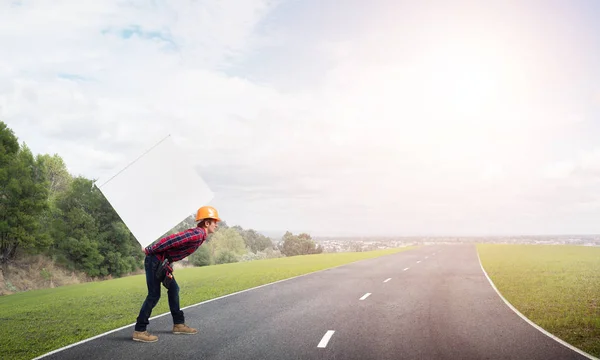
36	322
556	287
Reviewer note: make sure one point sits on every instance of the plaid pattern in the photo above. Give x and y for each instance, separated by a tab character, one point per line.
178	246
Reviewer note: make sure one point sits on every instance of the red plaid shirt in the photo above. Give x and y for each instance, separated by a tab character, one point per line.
178	246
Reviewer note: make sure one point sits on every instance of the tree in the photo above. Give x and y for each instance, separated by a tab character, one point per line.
226	256
59	180
86	220
9	146
23	195
254	241
201	257
228	239
301	244
76	231
57	174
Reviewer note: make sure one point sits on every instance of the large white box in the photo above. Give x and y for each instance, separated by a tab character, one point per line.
157	191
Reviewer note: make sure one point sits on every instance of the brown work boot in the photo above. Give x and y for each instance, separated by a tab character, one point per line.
183	329
144	336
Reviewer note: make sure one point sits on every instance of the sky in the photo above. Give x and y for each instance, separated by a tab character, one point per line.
373	118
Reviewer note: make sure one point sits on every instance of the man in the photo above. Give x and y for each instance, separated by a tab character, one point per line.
174	248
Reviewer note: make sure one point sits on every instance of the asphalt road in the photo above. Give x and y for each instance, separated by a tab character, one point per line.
430	303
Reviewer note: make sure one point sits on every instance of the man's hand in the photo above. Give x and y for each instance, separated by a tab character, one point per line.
167	280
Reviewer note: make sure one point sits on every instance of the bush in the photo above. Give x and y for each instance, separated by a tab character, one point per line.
226	256
273	254
201	257
252	256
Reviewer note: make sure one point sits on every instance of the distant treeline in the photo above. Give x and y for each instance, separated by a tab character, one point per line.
46	210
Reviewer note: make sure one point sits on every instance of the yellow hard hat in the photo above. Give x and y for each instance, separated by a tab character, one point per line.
207	212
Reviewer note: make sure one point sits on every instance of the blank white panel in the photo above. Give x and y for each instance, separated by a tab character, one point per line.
157	191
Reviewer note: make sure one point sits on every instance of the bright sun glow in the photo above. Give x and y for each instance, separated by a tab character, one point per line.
457	99
467	79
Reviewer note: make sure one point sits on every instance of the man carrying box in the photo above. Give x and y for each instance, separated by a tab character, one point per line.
159	270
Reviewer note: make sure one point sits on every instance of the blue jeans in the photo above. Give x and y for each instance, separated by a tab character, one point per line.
154	288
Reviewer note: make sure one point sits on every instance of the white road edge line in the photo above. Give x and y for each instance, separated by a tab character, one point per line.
418	261
388	279
325	339
531	322
365	296
187	307
405	269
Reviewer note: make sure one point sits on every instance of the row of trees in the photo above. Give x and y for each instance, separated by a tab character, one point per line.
228	244
45	210
233	244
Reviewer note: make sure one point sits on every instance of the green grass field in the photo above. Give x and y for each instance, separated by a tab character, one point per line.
36	322
556	287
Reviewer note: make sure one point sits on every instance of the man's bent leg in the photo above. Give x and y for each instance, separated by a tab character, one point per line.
179	326
173	294
151	263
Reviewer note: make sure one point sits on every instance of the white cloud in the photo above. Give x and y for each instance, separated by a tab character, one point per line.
559	170
134	90
412	128
585	166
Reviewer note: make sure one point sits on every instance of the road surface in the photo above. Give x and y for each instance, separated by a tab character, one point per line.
433	302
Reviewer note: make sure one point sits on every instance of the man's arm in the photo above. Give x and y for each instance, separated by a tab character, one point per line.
174	241
151	249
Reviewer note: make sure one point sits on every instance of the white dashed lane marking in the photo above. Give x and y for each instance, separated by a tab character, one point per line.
365	296
325	339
